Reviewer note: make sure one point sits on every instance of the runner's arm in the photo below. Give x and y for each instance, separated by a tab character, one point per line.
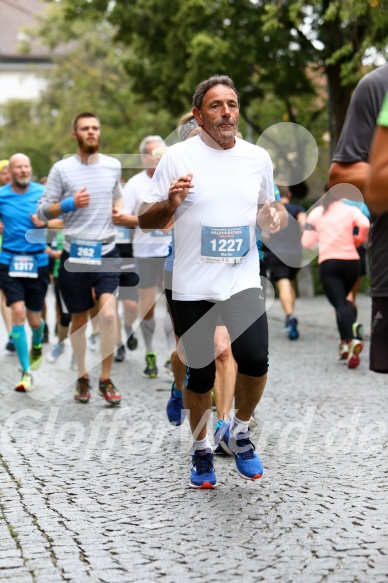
355	173
123	220
376	195
310	236
155	215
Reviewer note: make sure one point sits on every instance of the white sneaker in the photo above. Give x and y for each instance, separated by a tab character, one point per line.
26	384
343	350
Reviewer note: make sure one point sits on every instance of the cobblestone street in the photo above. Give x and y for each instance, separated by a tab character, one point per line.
97	494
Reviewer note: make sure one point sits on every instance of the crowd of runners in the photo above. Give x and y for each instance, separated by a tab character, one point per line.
205	223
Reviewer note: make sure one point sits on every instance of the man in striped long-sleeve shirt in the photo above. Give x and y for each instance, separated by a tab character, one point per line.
83	189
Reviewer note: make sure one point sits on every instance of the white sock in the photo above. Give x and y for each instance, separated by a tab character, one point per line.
202	444
238	426
148	329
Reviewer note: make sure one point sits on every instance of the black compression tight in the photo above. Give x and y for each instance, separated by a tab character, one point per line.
338	277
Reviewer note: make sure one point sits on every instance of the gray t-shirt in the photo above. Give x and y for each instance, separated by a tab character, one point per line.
102	181
354	146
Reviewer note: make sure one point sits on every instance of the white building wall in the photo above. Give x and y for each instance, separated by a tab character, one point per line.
20	85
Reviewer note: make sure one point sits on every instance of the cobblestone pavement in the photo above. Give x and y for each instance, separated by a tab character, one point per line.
89	493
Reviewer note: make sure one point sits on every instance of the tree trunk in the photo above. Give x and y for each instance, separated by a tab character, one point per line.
339	99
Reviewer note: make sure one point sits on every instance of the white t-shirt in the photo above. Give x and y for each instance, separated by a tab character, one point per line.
154	243
228	186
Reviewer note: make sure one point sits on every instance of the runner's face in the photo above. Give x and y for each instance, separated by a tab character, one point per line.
87	134
219	114
21	171
149	161
5	176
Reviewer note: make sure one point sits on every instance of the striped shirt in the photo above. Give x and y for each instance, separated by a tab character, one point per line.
102	181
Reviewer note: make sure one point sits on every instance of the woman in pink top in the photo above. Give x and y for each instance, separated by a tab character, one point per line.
338	229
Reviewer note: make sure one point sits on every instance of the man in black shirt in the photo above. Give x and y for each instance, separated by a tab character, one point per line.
350	164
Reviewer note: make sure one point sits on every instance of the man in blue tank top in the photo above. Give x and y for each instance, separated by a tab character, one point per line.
24	274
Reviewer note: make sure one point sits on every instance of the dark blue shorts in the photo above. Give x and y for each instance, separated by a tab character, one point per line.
31	291
76	287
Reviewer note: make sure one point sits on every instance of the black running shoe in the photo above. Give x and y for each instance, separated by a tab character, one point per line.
132	342
45	334
10	346
120	353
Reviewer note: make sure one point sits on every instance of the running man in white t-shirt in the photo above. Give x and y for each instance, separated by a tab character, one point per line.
217	187
150	250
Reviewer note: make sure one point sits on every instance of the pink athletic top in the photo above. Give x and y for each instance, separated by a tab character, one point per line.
333	231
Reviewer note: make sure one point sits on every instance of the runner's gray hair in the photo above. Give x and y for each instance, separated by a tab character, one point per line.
204	86
148	140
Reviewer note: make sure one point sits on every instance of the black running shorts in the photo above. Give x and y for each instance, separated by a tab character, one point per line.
32	291
246	320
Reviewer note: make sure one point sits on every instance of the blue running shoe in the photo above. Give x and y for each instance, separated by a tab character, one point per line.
293	333
202	473
247	461
175	409
220	447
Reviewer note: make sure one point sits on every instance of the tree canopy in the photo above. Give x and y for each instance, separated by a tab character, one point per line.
136	63
88	75
277	46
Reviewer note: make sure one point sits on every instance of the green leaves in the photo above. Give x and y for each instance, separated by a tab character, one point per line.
137	62
89	75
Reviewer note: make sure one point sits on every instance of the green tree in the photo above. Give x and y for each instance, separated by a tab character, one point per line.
89	75
164	70
276	44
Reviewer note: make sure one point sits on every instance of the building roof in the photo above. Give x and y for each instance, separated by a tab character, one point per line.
14	15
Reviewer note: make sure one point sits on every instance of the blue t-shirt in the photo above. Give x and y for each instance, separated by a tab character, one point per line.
169	263
15	211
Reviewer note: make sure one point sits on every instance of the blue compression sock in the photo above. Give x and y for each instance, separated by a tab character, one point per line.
21	345
37	335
